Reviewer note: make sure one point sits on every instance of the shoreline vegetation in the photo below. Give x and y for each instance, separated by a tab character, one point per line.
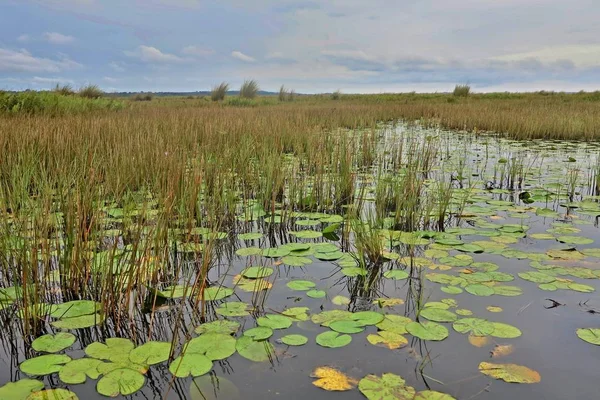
539	115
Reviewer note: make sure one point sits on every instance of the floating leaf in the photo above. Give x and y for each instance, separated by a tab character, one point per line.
44	365
82	322
75	308
388	339
53	343
432	395
347	326
294	340
507	290
333	339
340	300
257	272
501	350
307	234
474	326
505	331
464	312
296	261
53	394
251	285
394	323
259	333
219	326
494	309
275	252
479	290
77	371
388	387
300	285
331	379
396	274
122	381
190	365
437	314
248	251
151	353
590	335
115	349
325	318
387	302
215	346
427	330
296	313
233	309
316	294
451	289
479	341
253	350
274	321
574	240
20	390
335	255
215	293
510	372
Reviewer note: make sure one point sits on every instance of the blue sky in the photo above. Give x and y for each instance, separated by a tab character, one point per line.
311	46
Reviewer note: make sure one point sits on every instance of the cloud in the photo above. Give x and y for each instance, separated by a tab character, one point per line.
57	38
23	61
23	38
50	80
116	66
110	80
197	51
150	54
243	57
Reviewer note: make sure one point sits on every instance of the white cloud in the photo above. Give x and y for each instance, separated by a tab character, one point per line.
197	51
583	56
110	80
23	38
58	38
50	80
24	61
241	56
116	66
153	55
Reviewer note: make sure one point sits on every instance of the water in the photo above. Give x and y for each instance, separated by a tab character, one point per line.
548	343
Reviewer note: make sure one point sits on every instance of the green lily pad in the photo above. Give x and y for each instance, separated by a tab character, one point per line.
307	234
215	293
396	274
77	371
316	294
451	289
151	353
536	277
248	251
296	261
233	309
509	291
75	308
574	240
254	351
257	272
325	318
394	323
215	346
53	343
301	285
275	252
388	387
590	335
219	326
294	340
122	381
53	394
274	321
259	333
340	300
190	364
296	313
115	349
333	339
427	330
474	326
505	331
44	365
437	314
479	290
367	317
347	326
20	390
81	322
432	395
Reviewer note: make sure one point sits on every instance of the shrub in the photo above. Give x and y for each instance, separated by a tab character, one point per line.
65	90
291	95
219	92
462	90
283	93
91	92
249	89
142	97
336	95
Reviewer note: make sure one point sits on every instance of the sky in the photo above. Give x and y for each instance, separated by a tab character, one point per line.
356	46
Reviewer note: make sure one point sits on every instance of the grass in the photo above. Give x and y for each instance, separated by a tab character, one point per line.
462	90
53	103
249	89
219	92
90	92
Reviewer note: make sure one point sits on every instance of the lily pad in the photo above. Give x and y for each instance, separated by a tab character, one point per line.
191	364
316	294
510	372
20	390
347	326
296	261
274	321
437	314
219	326
215	346
151	353
387	339
332	380
233	309
77	371
333	339
396	274
115	349
505	331
259	333
479	290
53	394
474	326
257	272
215	293
394	323
301	285
427	330
122	381
44	365
53	343
388	387
294	340
590	335
253	350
